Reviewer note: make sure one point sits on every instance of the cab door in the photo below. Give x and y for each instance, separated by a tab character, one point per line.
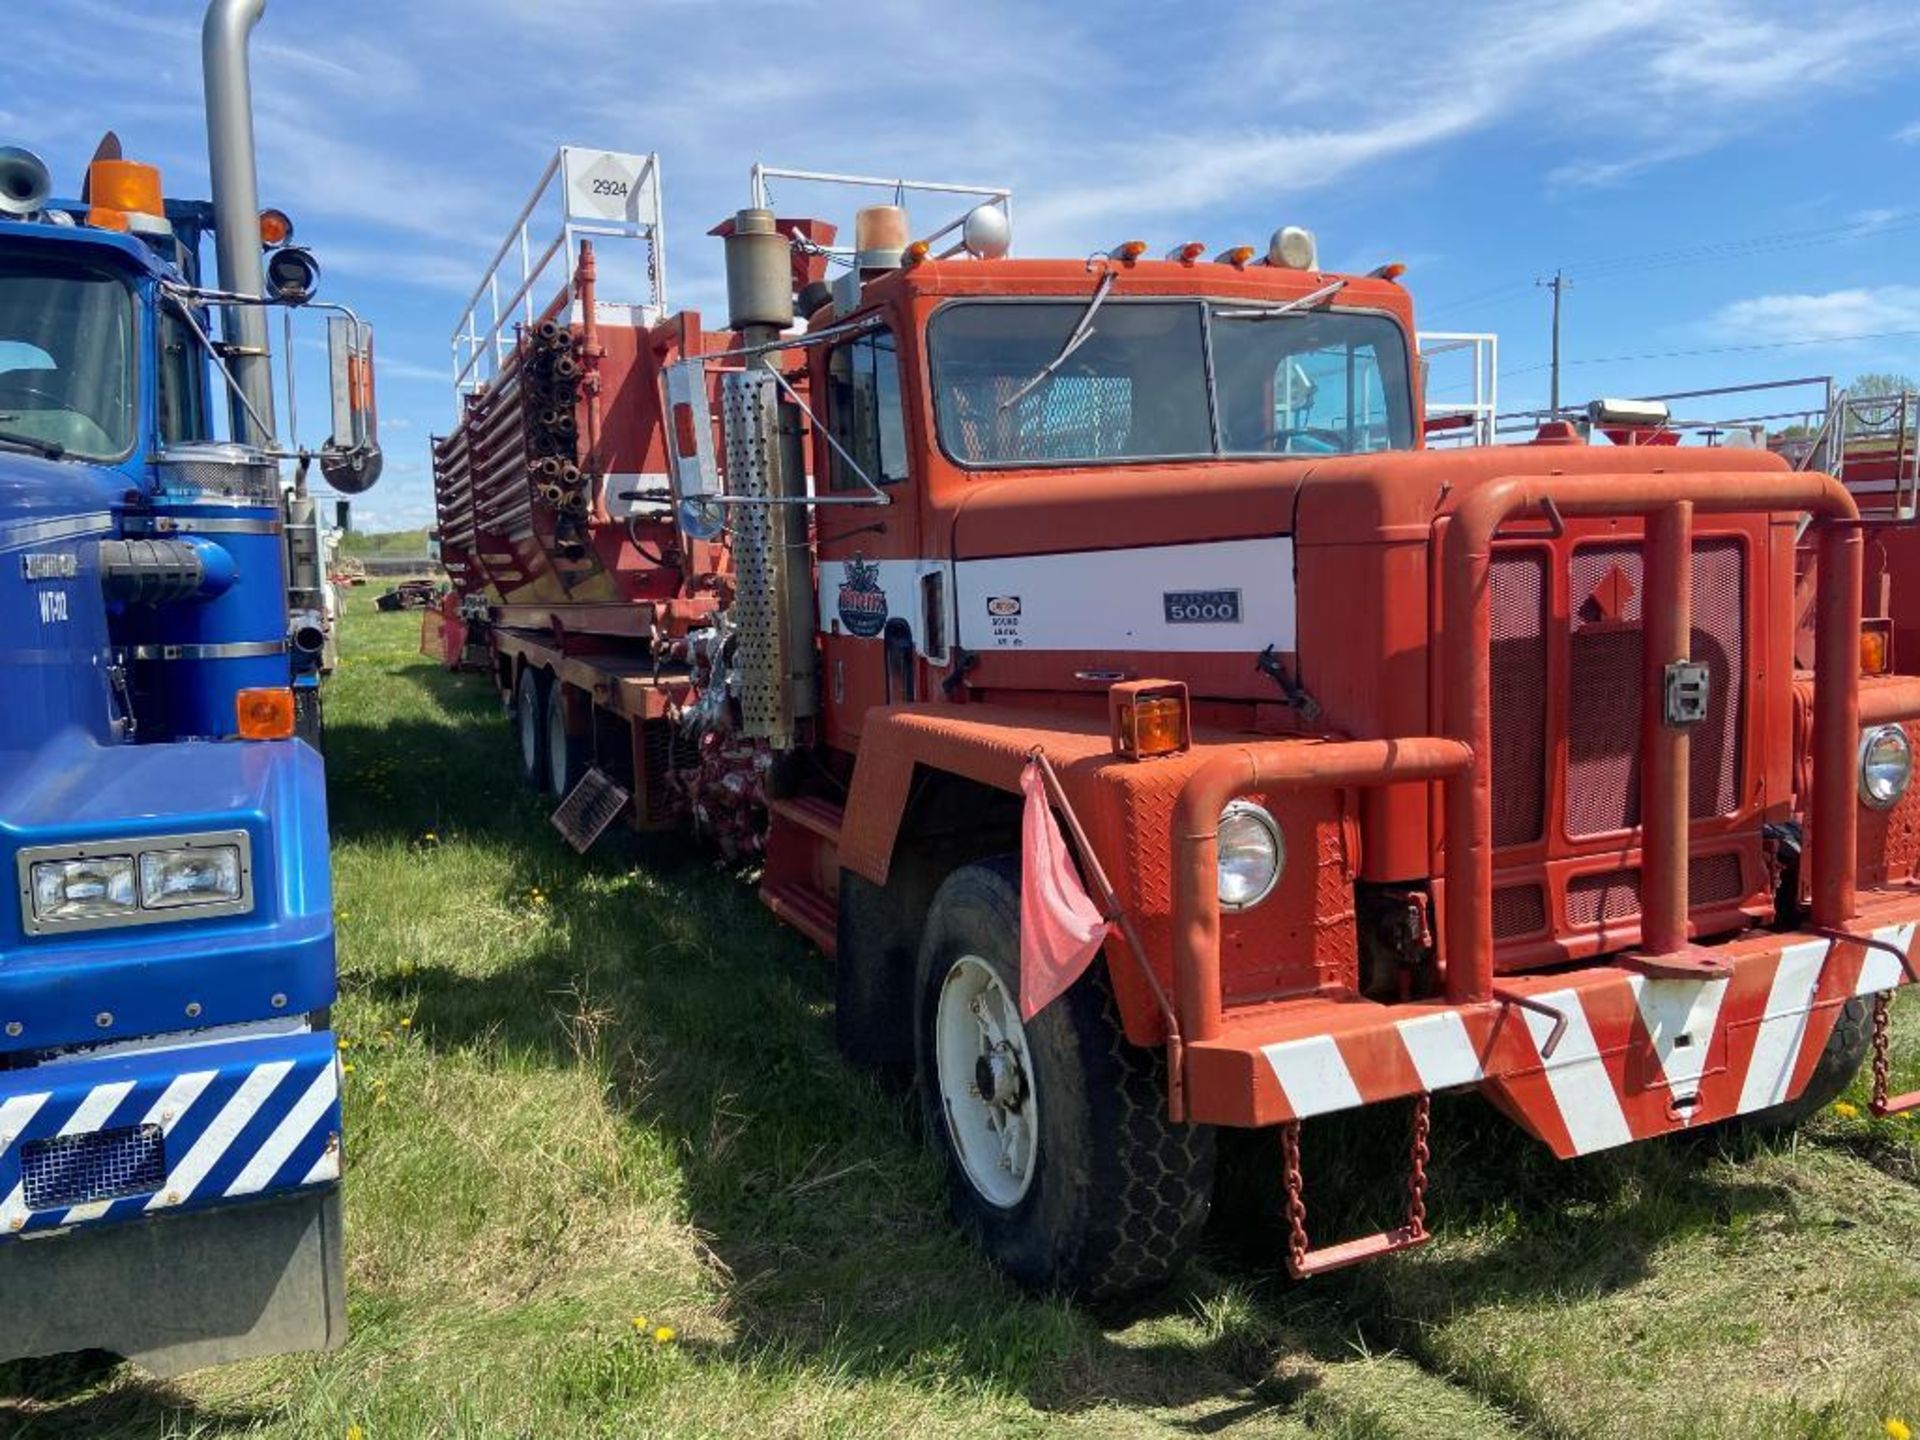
883	613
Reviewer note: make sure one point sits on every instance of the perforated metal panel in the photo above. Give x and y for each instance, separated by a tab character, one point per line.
1711	880
751	419
1518	614
1518	910
75	1169
1605	591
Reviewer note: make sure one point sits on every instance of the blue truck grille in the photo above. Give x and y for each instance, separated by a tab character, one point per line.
104	1165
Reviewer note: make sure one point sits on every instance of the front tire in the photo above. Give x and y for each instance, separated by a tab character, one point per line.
1839	1062
1061	1163
530	726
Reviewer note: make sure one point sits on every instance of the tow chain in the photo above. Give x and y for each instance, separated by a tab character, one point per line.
1417	1172
1296	1204
1415	1231
1882	1003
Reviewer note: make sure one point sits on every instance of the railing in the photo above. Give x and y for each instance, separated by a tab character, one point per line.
762	194
599	193
1481	412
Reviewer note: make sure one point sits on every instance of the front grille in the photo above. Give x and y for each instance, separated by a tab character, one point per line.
1605	586
1518	910
1615	894
1518	615
104	1165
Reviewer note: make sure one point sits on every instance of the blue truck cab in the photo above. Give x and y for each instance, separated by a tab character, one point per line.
170	1136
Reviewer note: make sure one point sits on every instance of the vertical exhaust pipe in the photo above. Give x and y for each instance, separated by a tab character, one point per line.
236	205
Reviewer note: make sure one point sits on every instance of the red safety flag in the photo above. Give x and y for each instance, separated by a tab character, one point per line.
1061	929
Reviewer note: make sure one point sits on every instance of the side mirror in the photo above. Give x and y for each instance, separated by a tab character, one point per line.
350	460
696	480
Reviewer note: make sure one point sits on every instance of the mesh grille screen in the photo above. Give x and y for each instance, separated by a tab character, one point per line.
74	1169
1603	724
1518	586
1593	898
1711	880
1518	910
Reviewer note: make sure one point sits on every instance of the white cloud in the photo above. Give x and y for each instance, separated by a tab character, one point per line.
1834	315
1908	134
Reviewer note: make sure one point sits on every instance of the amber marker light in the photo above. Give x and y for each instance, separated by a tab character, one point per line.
1876	647
1389	272
1128	251
275	229
1149	718
1237	257
265	713
1188	253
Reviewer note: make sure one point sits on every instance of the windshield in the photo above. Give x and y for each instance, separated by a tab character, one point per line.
1311	382
66	357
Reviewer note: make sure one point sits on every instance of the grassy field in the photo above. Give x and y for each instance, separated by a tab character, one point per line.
607	1177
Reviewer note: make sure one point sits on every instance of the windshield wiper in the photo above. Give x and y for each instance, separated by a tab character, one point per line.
48	449
1275	312
1082	333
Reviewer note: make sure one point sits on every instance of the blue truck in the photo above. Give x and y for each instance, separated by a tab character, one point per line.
170	1134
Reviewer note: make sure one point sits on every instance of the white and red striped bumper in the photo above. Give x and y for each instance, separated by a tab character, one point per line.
1639	1056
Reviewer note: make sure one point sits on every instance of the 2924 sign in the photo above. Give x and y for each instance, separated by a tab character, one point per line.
1202	607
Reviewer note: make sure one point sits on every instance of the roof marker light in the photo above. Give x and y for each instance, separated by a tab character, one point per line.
1237	257
1388	272
1188	253
276	229
915	253
1128	251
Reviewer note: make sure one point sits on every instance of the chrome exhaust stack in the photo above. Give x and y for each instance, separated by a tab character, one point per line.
236	207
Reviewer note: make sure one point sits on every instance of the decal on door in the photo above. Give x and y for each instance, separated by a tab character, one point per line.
862	601
1202	607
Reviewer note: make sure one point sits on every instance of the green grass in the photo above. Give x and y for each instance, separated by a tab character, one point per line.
589	1091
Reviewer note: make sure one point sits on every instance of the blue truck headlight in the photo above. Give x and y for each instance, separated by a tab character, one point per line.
83	889
135	882
189	877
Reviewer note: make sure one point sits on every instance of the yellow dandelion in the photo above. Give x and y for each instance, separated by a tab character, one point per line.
354	1432
664	1336
1897	1429
640	1323
1846	1110
346	1067
406	1022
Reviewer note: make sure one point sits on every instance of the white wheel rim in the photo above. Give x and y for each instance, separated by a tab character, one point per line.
529	734
986	1082
557	742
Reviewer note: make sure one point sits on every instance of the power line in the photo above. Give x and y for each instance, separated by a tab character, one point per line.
1714	350
1605	267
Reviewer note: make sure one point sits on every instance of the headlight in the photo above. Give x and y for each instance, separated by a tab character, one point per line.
189	877
1252	855
1886	765
67	890
135	882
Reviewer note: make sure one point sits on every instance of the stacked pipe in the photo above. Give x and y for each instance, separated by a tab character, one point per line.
550	371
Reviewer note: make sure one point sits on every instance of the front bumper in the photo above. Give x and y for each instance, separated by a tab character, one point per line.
1640	1055
183	1123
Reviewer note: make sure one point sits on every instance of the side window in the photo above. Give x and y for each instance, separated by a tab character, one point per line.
180	379
864	411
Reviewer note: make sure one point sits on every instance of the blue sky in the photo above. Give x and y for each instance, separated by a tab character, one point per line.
1764	154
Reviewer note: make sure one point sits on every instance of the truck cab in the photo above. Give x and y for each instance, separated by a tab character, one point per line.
170	1137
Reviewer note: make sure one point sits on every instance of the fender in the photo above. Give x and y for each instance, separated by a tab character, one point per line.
1301	939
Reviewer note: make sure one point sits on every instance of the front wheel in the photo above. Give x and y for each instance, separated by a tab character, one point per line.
1061	1162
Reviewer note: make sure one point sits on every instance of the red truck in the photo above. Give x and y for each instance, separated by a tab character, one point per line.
1394	770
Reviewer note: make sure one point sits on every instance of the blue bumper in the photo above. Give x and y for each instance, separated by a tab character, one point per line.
174	1126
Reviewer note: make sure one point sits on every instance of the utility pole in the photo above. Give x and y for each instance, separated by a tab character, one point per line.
1559	285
